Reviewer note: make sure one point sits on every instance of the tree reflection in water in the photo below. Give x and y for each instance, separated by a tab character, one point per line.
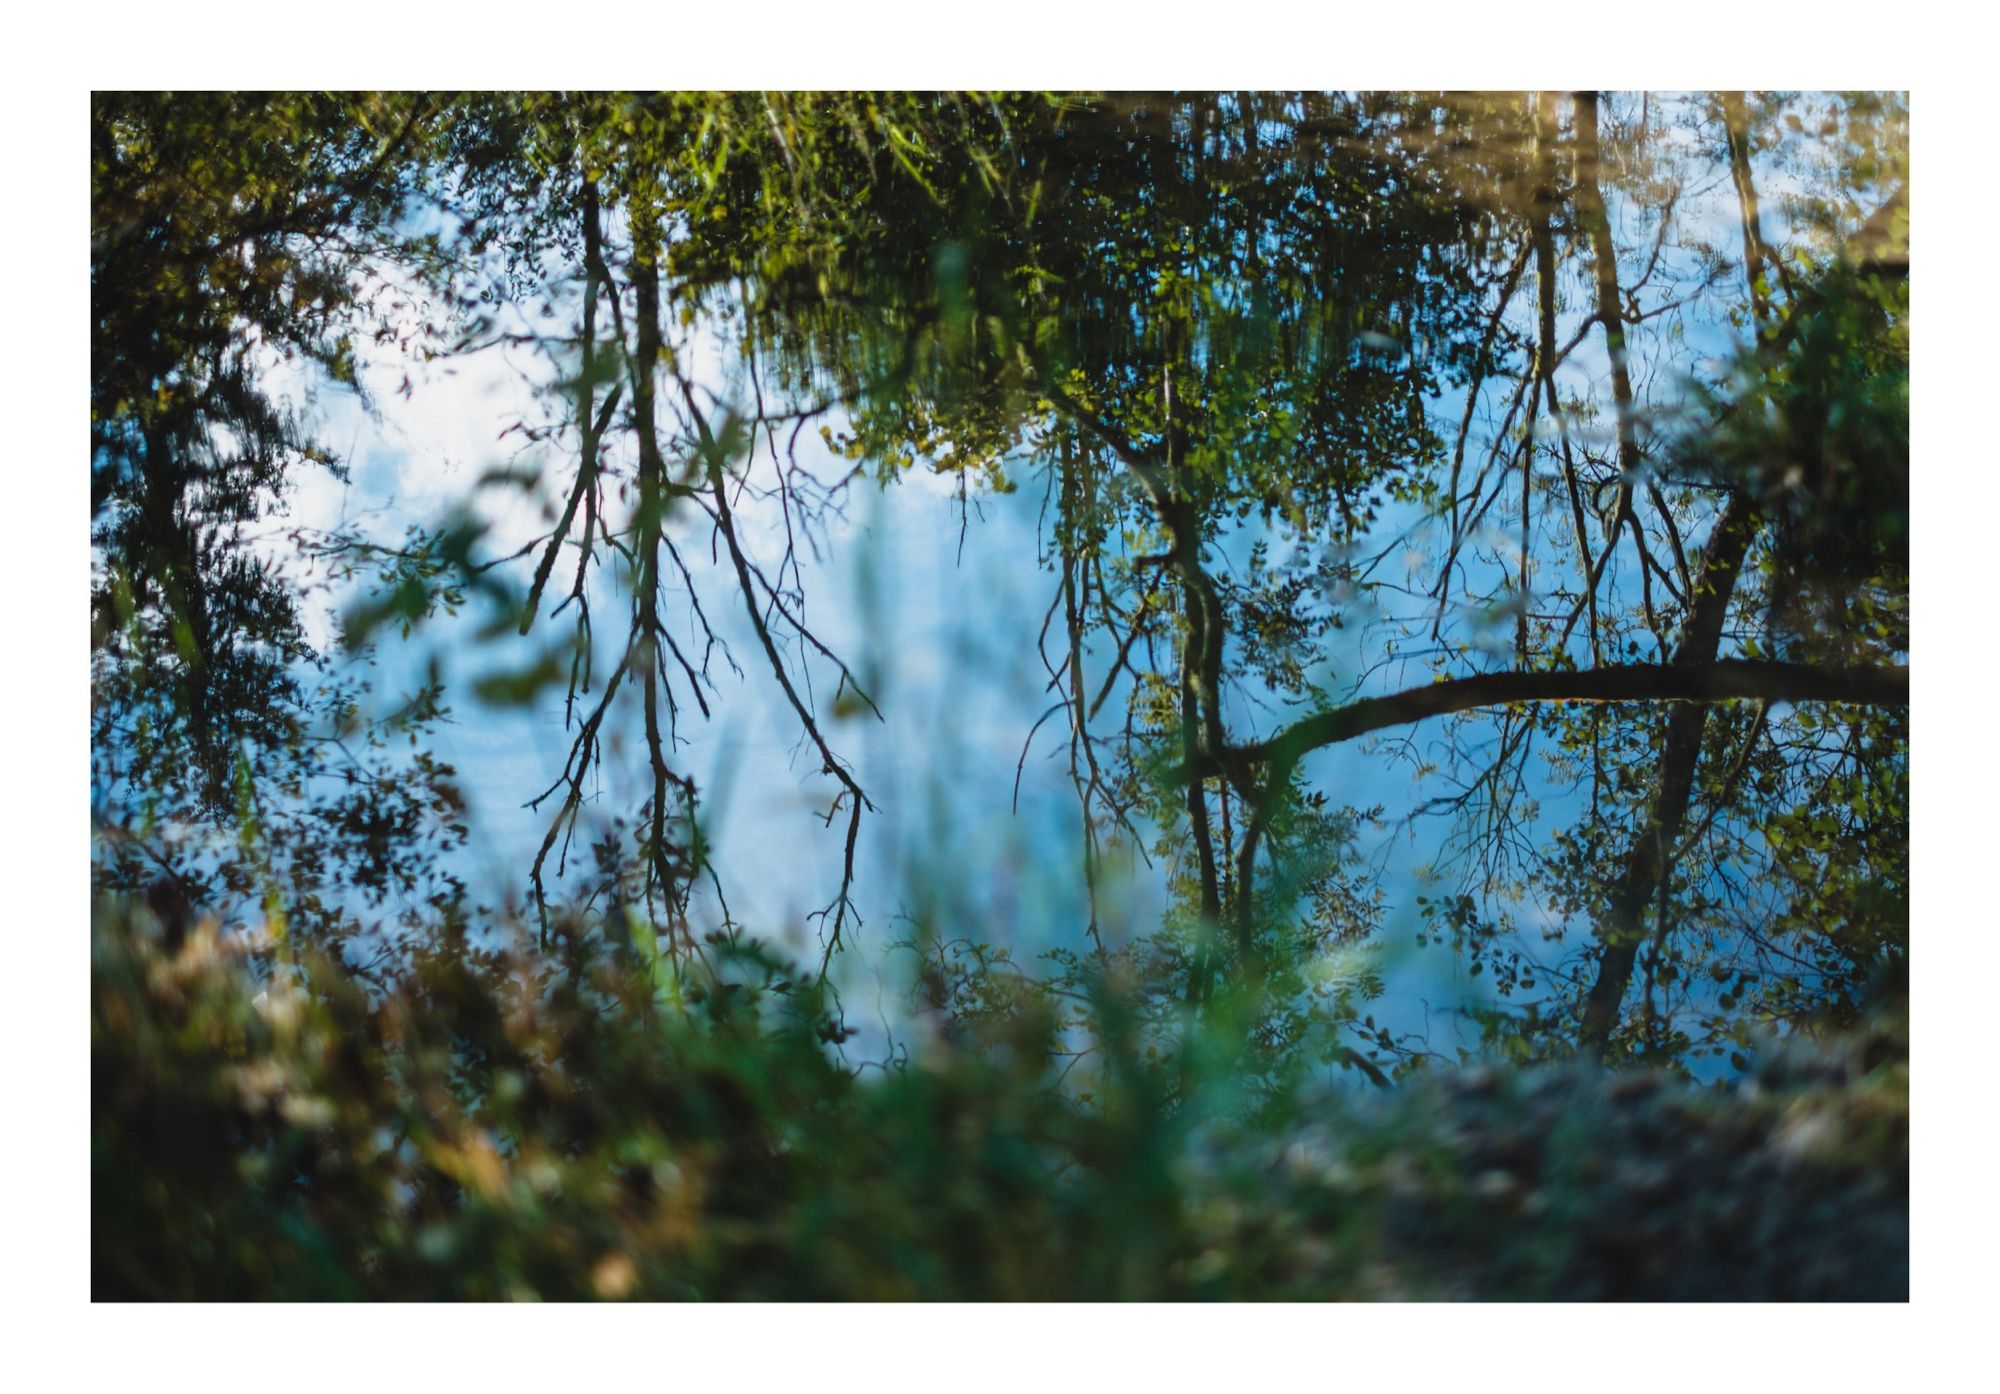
1544	457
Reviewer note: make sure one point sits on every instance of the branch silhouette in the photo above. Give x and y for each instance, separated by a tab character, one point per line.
1723	680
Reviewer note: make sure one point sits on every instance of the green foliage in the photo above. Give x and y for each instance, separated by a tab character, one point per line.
229	236
496	1125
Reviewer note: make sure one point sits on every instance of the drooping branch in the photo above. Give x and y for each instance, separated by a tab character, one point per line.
1481	364
591	421
663	868
851	794
1178	519
1201	658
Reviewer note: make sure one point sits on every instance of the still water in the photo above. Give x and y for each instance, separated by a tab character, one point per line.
1479	386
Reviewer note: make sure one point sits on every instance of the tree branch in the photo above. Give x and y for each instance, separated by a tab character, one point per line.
1723	680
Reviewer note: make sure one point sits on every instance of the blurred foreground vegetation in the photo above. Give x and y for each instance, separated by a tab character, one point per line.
501	1126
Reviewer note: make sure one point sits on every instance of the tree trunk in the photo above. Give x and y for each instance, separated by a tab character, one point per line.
1646	865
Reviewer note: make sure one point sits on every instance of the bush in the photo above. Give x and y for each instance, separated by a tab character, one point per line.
498	1124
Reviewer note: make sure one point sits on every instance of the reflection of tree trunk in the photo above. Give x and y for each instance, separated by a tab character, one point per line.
1545	352
1596	225
1695	679
1200	717
652	507
1604	261
1647	864
1202	739
1736	126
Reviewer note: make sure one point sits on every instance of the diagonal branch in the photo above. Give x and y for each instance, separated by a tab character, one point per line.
1725	679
